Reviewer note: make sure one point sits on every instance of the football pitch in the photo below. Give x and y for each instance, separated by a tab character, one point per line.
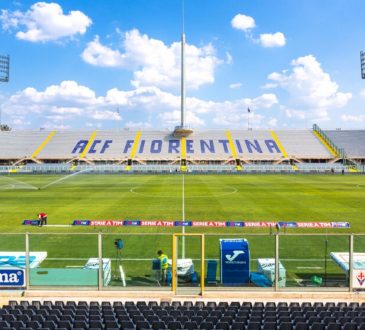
160	197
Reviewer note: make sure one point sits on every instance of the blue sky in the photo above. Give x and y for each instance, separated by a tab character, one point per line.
116	63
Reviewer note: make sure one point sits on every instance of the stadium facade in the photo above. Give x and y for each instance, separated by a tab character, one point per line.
241	150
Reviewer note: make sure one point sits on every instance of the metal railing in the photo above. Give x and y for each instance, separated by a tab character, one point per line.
339	151
298	261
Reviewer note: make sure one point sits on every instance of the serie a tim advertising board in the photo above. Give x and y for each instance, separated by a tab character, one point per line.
12	277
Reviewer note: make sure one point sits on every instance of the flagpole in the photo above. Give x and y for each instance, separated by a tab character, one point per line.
248	119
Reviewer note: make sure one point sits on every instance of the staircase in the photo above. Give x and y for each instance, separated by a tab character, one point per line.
327	142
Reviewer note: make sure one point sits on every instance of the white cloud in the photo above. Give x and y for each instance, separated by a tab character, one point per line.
247	23
234	114
229	58
362	93
272	122
154	63
272	39
75	105
235	85
172	118
310	88
294	113
239	119
99	55
68	92
20	122
45	22
269	86
243	22
106	115
139	124
353	118
65	101
264	101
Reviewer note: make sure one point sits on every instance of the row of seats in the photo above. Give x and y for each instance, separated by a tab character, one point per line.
352	142
182	315
157	145
62	168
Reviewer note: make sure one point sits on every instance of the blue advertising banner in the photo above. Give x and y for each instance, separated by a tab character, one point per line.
81	223
31	222
235	261
12	277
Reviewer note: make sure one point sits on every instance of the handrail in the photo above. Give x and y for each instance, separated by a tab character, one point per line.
340	152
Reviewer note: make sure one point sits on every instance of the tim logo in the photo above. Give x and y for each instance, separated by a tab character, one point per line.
11	277
361	278
235	254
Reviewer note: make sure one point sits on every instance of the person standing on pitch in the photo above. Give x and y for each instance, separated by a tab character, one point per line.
164	264
42	217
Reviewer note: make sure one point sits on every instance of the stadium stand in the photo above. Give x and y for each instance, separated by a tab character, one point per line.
303	144
159	151
351	141
322	167
16	145
183	315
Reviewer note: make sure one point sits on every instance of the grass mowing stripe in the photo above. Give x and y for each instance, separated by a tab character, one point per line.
258	198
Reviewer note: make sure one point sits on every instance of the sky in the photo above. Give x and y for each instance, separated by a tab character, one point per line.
115	64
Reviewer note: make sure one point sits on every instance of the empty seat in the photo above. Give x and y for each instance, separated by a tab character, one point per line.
182	319
157	325
238	326
317	326
174	325
206	325
80	324
126	325
285	326
253	326
4	324
301	326
96	324
269	326
49	325
33	324
349	326
334	326
222	326
142	325
197	319
65	324
191	325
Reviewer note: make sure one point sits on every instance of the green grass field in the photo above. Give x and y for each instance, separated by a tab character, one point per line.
159	197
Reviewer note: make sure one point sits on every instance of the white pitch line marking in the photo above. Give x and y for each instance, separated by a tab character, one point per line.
234	190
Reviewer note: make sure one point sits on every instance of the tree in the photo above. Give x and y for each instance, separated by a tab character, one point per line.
4	127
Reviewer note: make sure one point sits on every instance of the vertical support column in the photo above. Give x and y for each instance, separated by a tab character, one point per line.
183	95
174	257
27	268
202	277
100	256
276	285
351	258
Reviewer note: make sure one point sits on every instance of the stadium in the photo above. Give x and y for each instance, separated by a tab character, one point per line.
184	228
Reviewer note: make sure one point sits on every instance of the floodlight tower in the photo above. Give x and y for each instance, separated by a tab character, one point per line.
183	94
362	59
4	68
4	73
182	130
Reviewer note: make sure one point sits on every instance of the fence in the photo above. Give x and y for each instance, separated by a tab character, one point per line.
70	260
